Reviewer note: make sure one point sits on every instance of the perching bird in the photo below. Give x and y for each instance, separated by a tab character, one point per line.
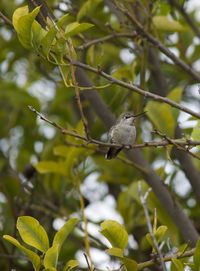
122	133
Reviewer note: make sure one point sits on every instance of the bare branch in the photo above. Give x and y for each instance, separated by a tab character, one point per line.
167	258
177	145
135	88
150	228
167	141
6	19
106	38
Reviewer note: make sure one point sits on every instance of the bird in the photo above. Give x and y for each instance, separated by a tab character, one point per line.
122	133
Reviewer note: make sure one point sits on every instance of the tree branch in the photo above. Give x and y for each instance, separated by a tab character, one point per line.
6	19
134	88
150	228
106	38
167	141
158	44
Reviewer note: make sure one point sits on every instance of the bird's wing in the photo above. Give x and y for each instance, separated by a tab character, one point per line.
111	134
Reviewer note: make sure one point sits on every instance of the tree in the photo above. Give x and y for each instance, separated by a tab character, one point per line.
68	69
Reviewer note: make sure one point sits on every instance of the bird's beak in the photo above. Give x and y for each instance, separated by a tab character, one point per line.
140	114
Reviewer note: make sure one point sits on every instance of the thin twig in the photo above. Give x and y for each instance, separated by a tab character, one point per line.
167	258
177	145
150	228
87	261
6	19
106	38
76	87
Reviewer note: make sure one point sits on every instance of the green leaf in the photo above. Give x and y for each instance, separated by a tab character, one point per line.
24	26
163	23
125	72
130	264
196	131
51	167
51	257
177	265
115	251
61	150
160	233
87	8
38	33
48	40
175	94
63	20
196	257
63	233
115	233
71	265
33	233
18	13
161	116
50	269
76	28
33	257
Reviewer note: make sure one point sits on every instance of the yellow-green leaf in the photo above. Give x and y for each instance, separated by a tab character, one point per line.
51	257
87	8
63	233
71	264
38	34
61	150
76	28
115	233
48	40
33	233
177	265
196	131
162	117
197	256
164	23
175	94
124	73
18	13
115	251
33	257
130	264
51	167
63	20
159	234
24	26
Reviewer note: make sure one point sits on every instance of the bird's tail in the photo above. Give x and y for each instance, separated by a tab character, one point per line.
112	152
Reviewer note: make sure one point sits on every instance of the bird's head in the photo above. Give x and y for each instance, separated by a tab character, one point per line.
128	117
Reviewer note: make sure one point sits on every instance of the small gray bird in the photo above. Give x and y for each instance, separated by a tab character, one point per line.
122	133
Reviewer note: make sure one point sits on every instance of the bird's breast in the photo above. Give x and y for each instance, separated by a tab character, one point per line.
124	134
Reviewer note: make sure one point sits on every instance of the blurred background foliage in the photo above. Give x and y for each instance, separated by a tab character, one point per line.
49	190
